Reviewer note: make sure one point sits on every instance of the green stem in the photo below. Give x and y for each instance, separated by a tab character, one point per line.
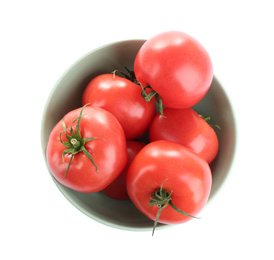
75	143
121	72
208	119
148	97
162	198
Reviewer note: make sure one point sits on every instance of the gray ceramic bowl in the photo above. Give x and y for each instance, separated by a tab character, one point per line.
66	96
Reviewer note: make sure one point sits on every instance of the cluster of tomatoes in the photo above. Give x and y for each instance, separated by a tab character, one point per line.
101	146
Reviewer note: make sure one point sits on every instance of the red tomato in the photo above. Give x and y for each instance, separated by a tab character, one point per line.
88	157
186	127
118	189
183	175
122	98
176	66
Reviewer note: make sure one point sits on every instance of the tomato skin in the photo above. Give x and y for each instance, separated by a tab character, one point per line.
117	189
122	98
182	171
176	66
186	127
109	153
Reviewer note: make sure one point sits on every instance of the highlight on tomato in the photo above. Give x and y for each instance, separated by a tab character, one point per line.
168	183
122	98
188	128
174	69
87	149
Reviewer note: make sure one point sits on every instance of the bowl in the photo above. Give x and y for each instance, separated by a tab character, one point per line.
66	96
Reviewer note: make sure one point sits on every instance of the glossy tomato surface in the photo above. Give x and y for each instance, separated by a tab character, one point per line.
117	189
108	152
122	98
179	170
186	127
176	66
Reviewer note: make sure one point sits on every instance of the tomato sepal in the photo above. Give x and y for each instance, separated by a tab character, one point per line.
75	143
130	75
162	198
207	118
150	96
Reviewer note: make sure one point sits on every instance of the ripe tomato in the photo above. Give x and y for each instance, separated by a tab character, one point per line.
118	189
176	66
86	150
122	98
186	127
171	171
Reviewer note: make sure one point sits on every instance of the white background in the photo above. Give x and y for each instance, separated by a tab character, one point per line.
41	39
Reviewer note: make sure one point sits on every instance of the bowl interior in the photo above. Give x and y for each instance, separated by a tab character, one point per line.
66	96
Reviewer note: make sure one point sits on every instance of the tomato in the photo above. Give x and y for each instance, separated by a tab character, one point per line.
164	174
186	127
117	189
122	98
87	150
177	68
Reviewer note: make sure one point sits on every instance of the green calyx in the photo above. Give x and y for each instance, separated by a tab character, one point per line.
130	75
162	198
207	119
75	143
148	97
